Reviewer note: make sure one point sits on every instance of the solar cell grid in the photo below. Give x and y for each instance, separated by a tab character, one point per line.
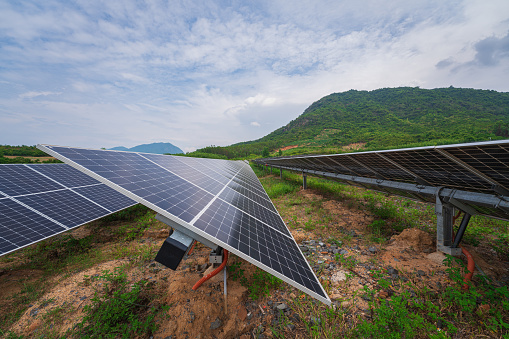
264	201
437	169
349	162
236	218
491	160
65	207
40	206
259	243
19	226
104	196
64	174
383	167
192	175
17	180
250	207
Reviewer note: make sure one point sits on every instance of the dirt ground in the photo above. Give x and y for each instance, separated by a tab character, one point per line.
203	313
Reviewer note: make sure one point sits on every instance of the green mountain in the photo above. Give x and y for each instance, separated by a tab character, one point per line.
156	147
385	118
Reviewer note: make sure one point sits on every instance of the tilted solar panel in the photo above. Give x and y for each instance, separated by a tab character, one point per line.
473	167
222	201
38	201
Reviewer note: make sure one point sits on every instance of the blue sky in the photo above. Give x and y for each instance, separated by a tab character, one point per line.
110	73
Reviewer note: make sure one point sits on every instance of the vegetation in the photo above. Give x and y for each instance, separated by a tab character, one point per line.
259	284
404	306
385	118
19	154
119	309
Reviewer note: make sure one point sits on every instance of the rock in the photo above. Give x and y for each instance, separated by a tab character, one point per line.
319	262
436	257
338	277
215	324
373	249
344	252
35	325
356	247
33	312
315	321
241	313
290	327
336	251
321	244
303	249
421	273
392	271
282	307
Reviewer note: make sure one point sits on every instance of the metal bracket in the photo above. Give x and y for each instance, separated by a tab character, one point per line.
186	231
500	190
445	214
216	256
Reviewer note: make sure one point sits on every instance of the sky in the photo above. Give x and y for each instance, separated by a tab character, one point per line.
97	74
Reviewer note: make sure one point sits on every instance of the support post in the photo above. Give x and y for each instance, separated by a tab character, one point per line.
281	173
304	180
445	214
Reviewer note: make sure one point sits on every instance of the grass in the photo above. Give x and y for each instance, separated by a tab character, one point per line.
119	309
63	255
259	284
413	310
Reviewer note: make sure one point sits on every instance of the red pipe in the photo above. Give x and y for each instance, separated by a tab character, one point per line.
214	272
470	267
192	247
470	260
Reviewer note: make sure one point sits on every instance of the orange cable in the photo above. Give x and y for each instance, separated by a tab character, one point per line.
213	273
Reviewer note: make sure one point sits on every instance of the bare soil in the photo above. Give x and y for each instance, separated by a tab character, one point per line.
196	314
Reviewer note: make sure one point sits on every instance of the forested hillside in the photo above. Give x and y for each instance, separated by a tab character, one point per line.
388	117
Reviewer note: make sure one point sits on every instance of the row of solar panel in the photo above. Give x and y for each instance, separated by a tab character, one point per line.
480	167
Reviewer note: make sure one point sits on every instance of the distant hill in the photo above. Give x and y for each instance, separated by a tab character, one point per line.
157	148
384	118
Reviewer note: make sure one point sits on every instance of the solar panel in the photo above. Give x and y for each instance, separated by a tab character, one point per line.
38	201
221	201
473	167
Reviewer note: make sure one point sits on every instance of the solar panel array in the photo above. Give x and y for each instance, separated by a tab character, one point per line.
222	201
38	201
472	167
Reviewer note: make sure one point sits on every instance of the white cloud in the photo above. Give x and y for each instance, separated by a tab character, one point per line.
204	73
32	94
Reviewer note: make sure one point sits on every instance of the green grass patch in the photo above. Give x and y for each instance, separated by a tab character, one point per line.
119	309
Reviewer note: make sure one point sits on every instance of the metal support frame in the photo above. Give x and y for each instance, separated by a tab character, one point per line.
447	200
304	180
281	173
445	214
186	231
